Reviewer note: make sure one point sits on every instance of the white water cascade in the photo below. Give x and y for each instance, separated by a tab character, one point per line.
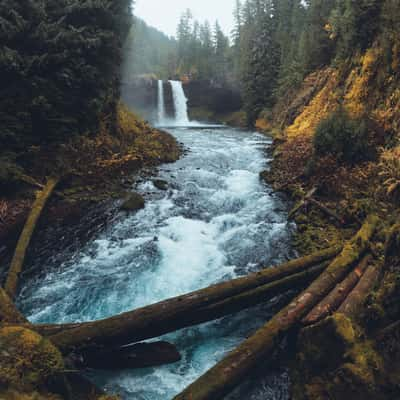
161	103
216	221
180	103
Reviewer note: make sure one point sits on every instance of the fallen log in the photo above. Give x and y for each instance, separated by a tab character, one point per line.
302	203
176	313
336	297
354	302
327	211
144	324
139	355
228	373
9	314
26	235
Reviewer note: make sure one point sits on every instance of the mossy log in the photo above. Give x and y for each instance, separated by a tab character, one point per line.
327	211
9	314
139	355
354	302
182	311
228	373
26	235
302	203
336	297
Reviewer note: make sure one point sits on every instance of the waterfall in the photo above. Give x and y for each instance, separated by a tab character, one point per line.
180	103
161	103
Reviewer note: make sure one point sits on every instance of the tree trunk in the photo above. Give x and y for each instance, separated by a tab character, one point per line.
9	314
354	302
228	373
140	355
182	311
26	235
336	297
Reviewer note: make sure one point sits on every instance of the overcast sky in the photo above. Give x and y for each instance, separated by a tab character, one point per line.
164	14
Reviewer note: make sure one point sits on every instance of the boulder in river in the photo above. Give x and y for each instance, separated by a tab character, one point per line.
133	202
160	184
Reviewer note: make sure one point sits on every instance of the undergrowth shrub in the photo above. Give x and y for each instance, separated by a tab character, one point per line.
348	140
389	166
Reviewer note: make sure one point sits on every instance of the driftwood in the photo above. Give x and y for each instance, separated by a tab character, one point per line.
336	297
327	211
309	199
26	235
229	372
140	355
302	203
354	302
179	312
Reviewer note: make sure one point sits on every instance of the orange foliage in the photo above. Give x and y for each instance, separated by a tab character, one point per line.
322	104
263	125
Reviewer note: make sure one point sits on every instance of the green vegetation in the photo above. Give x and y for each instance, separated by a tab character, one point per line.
346	139
59	62
148	51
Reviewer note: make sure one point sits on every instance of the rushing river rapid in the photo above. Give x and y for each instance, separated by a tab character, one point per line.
216	221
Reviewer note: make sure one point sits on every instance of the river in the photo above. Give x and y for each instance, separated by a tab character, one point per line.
216	221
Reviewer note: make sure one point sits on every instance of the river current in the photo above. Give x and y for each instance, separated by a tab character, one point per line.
216	221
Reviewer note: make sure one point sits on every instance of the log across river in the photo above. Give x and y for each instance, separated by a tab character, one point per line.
215	222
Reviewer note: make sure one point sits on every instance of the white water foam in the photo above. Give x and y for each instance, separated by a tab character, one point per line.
216	221
180	104
161	104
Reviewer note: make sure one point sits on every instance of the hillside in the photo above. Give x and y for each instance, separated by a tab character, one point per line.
338	133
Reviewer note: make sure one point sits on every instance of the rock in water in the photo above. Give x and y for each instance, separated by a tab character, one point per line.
133	202
160	184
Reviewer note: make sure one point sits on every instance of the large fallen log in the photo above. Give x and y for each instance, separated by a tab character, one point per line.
26	235
139	355
336	297
176	313
354	302
228	373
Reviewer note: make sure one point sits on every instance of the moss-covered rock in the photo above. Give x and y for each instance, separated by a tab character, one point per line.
133	202
160	184
27	360
16	395
336	361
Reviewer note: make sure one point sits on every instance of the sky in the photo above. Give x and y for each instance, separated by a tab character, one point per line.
164	14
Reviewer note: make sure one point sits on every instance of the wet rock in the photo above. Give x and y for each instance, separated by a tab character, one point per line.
133	202
266	176
160	184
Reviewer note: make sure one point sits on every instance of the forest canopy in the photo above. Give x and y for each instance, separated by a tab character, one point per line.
59	63
273	45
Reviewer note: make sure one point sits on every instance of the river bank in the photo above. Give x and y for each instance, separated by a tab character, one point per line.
95	171
216	214
332	198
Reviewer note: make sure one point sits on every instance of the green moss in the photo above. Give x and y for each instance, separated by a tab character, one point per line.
17	395
335	361
26	359
133	202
